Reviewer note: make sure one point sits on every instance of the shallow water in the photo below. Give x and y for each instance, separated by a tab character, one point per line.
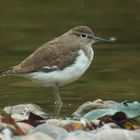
114	73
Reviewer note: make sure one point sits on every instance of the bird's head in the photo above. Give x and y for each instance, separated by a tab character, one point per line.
85	35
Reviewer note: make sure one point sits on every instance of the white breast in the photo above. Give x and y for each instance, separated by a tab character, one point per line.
65	76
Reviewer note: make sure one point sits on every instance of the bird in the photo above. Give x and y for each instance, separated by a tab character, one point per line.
60	61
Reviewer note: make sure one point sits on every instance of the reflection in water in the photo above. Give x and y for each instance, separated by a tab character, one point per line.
114	74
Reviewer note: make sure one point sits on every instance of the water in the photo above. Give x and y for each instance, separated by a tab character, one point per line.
114	73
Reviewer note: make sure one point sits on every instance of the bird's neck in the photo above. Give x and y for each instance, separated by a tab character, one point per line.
88	51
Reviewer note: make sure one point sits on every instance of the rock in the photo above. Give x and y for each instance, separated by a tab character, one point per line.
26	128
48	129
10	127
77	135
88	106
61	123
72	125
58	122
117	134
19	117
35	136
105	133
130	109
6	131
22	111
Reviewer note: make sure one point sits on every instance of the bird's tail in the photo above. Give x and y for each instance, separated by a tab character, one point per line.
5	72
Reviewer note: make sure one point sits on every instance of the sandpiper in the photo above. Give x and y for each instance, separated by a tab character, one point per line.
59	61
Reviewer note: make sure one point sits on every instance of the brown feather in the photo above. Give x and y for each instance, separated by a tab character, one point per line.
49	55
56	54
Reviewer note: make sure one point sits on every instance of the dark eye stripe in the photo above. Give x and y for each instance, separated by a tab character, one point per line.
90	37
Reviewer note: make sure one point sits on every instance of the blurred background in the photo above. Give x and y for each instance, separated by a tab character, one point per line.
115	71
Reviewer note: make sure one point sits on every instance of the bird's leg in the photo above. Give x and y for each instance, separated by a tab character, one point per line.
57	99
56	95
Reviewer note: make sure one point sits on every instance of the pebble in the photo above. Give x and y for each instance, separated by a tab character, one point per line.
88	106
77	135
7	126
35	136
25	127
48	129
61	123
53	129
106	134
57	122
22	111
117	134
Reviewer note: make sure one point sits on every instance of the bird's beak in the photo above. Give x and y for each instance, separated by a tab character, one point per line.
101	40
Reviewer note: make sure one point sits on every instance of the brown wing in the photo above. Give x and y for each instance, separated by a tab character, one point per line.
49	57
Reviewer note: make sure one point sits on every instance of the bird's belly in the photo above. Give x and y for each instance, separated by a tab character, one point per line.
65	76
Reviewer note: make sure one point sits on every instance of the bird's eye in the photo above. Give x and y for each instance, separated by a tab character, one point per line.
84	35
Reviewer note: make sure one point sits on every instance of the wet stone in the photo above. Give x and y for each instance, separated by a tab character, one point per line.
26	128
117	134
131	110
77	135
50	130
89	106
104	122
35	136
7	126
22	111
